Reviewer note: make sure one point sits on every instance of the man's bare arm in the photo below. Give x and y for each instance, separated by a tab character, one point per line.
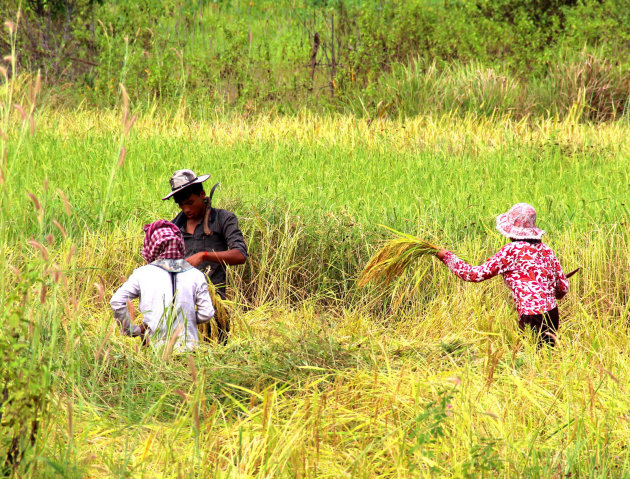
231	257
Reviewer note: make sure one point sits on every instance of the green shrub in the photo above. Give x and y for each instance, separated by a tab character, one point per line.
346	55
24	376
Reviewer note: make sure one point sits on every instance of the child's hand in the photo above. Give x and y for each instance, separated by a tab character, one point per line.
144	338
137	330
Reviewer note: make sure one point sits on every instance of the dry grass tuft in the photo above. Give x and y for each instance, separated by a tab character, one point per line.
598	88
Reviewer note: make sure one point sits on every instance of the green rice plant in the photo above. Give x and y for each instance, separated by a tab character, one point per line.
316	381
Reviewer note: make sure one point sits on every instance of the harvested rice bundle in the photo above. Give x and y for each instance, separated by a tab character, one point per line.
221	330
395	257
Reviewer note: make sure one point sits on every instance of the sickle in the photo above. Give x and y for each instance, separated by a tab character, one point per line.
206	228
572	273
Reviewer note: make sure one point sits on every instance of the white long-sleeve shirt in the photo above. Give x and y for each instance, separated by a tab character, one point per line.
152	284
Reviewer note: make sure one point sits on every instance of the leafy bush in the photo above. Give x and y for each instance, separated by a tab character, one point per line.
602	27
54	36
25	379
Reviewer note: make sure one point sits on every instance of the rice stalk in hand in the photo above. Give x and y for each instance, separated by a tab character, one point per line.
395	257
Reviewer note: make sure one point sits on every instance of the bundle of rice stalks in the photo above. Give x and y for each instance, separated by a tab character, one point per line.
219	327
395	257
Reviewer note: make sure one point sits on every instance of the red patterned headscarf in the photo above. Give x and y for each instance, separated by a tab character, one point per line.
163	240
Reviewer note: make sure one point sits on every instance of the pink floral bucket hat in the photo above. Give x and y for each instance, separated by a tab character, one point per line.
519	223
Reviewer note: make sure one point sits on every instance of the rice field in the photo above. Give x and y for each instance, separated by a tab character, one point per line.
429	378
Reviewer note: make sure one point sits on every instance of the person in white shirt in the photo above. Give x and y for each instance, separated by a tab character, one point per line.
174	296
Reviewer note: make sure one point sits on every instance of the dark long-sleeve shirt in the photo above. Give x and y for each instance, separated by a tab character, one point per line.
225	235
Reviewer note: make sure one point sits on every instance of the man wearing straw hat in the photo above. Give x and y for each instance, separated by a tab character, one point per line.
211	235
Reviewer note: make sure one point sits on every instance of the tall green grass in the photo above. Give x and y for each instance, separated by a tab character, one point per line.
319	379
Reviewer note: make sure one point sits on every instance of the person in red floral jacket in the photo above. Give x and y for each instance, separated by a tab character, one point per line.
529	268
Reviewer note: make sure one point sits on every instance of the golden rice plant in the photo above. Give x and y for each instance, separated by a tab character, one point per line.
395	257
221	316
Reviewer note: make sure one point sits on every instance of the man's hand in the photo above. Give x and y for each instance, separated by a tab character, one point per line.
196	259
229	257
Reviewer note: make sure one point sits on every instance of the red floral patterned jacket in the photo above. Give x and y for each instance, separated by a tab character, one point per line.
531	271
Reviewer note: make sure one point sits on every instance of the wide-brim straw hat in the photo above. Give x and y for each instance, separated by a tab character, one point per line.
519	223
183	178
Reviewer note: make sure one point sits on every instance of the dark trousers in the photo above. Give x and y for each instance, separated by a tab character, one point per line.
544	325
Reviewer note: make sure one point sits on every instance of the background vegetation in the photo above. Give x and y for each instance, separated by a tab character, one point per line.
320	379
367	57
426	124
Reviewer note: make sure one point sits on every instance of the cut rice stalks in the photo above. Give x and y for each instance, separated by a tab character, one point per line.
395	257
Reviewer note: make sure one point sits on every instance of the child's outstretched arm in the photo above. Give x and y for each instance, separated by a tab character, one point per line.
496	265
205	309
128	291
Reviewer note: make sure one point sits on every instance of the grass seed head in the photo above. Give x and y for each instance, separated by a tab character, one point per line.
129	124
121	157
100	292
61	229
42	294
23	114
66	203
70	254
125	98
132	311
34	89
10	26
35	201
171	343
41	248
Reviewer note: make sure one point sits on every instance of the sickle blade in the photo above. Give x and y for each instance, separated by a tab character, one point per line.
573	272
206	218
